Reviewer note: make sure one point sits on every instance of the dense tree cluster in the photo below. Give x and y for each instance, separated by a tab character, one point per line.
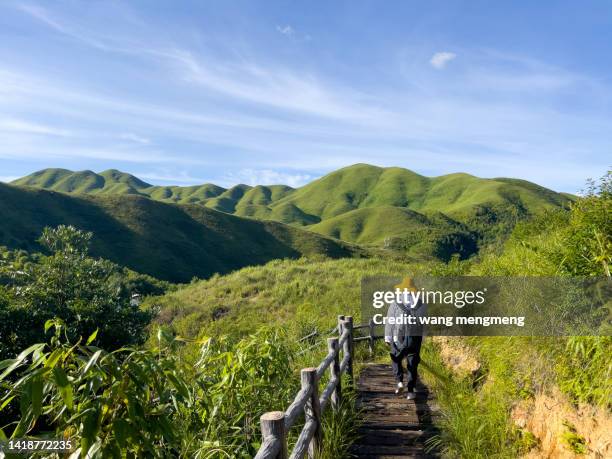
87	294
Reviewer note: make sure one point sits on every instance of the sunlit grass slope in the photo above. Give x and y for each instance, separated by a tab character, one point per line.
401	228
168	241
298	295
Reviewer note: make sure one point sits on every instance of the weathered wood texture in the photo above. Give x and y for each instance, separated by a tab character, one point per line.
393	427
274	435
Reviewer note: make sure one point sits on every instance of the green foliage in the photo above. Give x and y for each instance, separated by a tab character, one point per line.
86	293
212	393
341	428
144	285
66	240
567	243
589	237
584	367
454	267
578	242
148	403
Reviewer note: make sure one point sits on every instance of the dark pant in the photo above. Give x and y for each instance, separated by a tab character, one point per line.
410	352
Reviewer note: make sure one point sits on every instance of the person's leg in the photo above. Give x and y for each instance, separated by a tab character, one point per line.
396	365
413	362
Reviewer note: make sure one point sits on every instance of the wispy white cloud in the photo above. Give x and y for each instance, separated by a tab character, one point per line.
170	178
267	177
244	80
43	15
285	30
21	126
273	86
7	178
135	138
439	60
277	87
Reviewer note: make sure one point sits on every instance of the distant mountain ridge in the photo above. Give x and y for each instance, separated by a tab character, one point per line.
349	188
365	204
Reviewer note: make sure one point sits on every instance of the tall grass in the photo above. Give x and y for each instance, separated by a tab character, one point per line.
341	428
294	295
475	422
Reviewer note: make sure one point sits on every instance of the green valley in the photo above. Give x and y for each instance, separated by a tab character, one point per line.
168	241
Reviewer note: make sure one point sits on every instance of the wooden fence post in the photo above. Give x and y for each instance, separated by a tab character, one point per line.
312	409
371	342
334	371
349	347
273	427
340	323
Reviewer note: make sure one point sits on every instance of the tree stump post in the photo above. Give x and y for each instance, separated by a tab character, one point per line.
334	370
273	431
349	347
312	410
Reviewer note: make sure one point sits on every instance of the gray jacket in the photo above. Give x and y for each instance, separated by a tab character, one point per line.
398	334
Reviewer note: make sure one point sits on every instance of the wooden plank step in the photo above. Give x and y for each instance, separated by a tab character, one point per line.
390	437
387	450
392	427
395	456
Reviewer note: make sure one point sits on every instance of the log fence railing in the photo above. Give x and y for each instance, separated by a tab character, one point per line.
275	425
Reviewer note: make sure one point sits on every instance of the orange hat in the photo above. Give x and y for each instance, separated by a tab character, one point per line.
407	284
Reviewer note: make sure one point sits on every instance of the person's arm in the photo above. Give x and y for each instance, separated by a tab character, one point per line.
421	312
388	326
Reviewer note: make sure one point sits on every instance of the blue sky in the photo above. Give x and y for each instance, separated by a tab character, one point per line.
285	91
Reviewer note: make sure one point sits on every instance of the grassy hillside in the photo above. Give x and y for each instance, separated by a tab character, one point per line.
110	181
385	207
499	396
168	241
297	295
354	187
401	229
362	186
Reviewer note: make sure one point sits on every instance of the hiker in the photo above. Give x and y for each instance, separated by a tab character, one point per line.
404	340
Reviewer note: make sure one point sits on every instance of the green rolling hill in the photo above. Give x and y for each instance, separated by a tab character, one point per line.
350	188
389	207
401	229
168	241
362	186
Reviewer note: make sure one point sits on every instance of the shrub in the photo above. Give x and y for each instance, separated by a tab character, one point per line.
146	403
83	292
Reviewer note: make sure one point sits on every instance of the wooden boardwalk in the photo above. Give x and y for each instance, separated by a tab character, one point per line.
393	427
